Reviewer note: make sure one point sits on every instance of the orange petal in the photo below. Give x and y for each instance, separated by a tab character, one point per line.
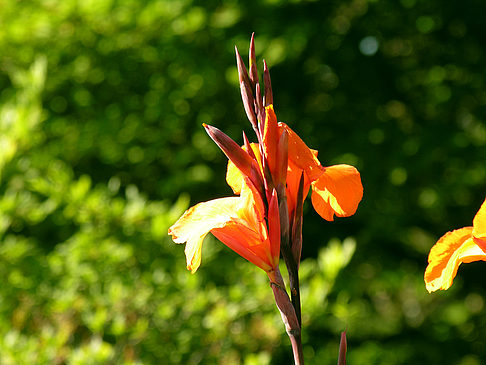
293	180
270	139
479	224
274	227
196	223
448	253
338	191
302	156
247	243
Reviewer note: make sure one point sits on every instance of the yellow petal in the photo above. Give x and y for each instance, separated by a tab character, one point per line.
338	191
197	222
452	249
234	178
479	224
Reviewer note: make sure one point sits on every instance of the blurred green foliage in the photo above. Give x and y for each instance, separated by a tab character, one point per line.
101	149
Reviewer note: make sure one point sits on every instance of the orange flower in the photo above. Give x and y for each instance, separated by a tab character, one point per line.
462	245
336	190
238	222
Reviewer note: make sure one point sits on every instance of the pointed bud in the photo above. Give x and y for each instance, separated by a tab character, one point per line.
259	104
342	349
248	103
274	227
242	72
248	148
297	224
246	92
241	159
252	61
268	85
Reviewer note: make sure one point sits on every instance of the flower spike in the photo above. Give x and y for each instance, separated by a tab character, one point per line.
270	180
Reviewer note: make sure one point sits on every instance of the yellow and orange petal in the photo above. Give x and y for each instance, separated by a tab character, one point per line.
238	222
452	249
337	191
197	222
479	227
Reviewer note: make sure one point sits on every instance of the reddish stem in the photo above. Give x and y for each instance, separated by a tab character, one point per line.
288	315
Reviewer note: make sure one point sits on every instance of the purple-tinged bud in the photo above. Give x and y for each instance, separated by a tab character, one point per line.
248	103
259	104
252	62
241	159
242	72
248	147
268	85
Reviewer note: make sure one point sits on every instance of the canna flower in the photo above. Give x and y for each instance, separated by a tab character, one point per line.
336	190
271	179
462	245
238	222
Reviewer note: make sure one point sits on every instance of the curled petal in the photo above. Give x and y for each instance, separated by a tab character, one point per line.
452	249
301	155
338	191
479	227
197	222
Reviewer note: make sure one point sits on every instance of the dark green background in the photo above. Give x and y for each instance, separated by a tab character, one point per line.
102	149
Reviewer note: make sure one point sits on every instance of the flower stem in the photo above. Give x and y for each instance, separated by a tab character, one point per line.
288	314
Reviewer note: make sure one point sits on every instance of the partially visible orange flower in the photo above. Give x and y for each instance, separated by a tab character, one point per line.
336	190
238	222
462	245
